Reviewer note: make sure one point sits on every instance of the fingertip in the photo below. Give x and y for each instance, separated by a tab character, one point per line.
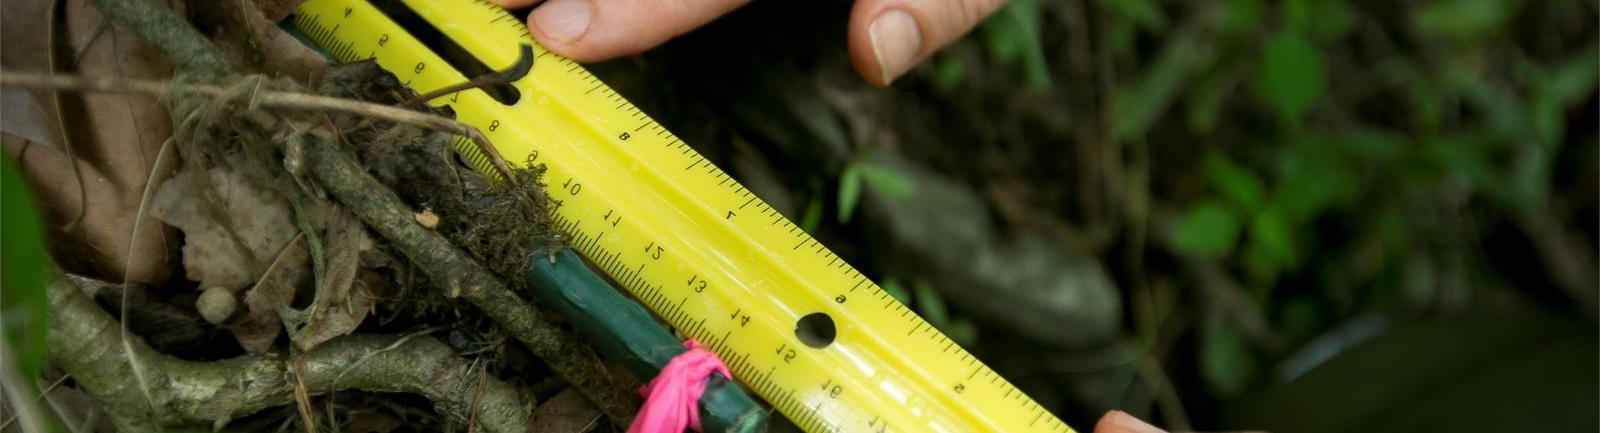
889	37
863	55
513	4
1117	421
561	25
589	31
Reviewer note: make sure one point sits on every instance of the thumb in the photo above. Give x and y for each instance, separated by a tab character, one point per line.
594	30
888	37
1120	422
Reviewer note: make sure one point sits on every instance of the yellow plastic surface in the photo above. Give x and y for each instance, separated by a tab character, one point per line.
689	242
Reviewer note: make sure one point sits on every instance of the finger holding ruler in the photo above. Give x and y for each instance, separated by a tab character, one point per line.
796	324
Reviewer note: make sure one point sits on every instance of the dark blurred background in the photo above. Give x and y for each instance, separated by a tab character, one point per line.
1301	216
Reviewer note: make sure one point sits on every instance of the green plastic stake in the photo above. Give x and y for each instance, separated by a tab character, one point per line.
623	330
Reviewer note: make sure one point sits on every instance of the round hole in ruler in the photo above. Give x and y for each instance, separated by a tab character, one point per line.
816	330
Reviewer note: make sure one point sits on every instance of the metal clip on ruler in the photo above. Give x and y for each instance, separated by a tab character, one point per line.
796	324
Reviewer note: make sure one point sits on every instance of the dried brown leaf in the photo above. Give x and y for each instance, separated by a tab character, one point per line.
115	138
339	306
567	412
261	218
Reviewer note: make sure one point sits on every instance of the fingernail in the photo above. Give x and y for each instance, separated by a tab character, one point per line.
1129	423
895	42
564	20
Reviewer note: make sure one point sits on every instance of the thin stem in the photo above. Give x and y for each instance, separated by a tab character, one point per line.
267	98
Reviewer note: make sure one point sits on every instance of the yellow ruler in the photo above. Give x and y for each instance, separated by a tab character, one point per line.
797	325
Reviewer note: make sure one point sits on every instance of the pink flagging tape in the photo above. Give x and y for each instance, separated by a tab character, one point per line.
671	400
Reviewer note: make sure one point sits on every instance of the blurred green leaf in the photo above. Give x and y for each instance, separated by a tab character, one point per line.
1135	108
887	181
1119	37
1207	230
1421	92
1370	144
1012	36
931	304
1506	112
849	191
1324	20
1142	13
1463	155
893	287
1293	75
1464	19
1226	361
1241	16
23	274
948	71
812	217
1574	80
1271	234
1555	90
1312	175
1206	99
1238	184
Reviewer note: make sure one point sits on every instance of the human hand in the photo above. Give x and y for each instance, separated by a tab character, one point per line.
1120	422
887	37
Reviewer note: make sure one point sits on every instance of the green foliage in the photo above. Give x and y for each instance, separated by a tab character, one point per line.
1227	362
1271	249
949	69
930	304
1292	76
1324	20
1241	16
1329	158
1342	141
23	275
849	192
1207	230
1464	19
887	181
1142	13
1135	108
1239	185
899	292
1012	37
811	218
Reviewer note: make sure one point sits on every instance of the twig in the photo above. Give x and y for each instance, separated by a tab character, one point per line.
456	275
349	183
472	413
513	73
390	347
302	399
83	342
266	98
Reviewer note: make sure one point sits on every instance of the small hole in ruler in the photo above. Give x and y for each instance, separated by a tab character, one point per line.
816	330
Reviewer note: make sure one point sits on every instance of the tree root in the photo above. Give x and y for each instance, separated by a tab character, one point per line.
349	183
85	342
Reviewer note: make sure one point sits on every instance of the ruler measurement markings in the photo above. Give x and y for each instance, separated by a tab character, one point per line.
598	244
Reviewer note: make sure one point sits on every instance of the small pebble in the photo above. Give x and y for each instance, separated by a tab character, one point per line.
428	219
216	304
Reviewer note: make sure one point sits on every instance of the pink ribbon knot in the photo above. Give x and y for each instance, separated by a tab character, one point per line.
671	400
